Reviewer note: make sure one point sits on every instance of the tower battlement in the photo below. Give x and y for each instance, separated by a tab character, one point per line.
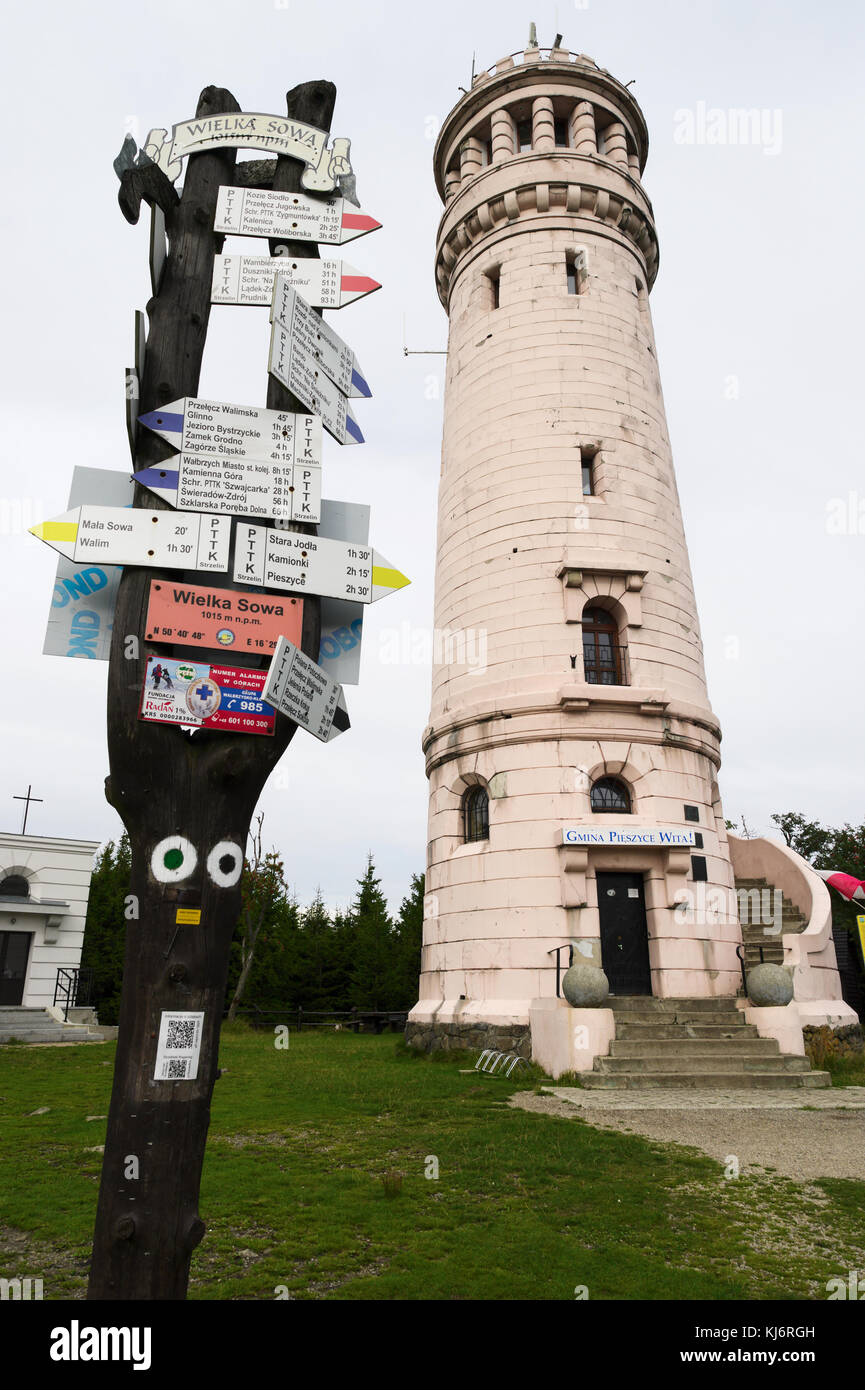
556	139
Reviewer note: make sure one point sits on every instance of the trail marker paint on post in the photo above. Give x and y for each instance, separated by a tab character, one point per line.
265	213
315	341
132	536
324	284
312	564
300	689
288	362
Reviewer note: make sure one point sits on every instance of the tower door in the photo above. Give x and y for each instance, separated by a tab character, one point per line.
624	933
14	950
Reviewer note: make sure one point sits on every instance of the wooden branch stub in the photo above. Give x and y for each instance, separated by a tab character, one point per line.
149	183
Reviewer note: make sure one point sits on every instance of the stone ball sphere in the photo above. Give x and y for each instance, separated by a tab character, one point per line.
770	985
585	986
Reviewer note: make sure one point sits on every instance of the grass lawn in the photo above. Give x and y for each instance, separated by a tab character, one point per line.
525	1206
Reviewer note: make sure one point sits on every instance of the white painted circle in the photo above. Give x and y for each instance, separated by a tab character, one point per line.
225	876
170	848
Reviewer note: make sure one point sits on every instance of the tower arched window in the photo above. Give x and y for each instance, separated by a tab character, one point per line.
476	815
604	655
609	794
14	886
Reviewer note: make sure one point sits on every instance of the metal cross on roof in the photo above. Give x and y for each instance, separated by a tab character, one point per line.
28	798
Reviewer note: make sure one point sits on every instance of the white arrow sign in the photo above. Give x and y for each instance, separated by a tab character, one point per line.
262	212
312	565
325	284
232	432
129	536
250	487
316	340
297	687
290	364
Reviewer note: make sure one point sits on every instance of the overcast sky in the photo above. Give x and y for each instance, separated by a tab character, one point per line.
757	311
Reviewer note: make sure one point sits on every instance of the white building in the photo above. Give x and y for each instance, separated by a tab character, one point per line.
44	887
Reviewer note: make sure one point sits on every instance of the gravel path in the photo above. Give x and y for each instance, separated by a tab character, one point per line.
771	1131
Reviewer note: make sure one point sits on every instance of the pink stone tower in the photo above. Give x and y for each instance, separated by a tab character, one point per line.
572	752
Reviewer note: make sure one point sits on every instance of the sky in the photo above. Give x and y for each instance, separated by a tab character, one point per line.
757	312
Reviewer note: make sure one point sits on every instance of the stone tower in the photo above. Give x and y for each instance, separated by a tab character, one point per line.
572	752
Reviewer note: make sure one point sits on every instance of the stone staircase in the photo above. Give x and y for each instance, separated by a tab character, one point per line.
20	1024
756	916
693	1043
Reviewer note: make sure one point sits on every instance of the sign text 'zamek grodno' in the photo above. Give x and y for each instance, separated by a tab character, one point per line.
208	684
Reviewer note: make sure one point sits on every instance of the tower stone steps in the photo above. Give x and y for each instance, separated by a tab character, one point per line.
762	946
694	1043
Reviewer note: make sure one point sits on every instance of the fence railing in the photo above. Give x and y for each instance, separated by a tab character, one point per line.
73	988
358	1020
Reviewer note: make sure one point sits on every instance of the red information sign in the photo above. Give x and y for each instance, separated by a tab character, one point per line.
209	697
189	615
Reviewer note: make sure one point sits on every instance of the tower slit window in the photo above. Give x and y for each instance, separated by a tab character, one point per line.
493	279
524	135
476	815
587	462
575	272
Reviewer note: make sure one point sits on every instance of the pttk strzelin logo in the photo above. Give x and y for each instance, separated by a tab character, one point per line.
225	637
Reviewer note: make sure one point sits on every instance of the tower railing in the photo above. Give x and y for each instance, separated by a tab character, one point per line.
607	665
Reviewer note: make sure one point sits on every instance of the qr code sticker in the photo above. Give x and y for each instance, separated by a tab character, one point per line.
181	1034
176	1068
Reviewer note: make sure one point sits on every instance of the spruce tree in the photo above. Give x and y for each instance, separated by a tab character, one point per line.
374	973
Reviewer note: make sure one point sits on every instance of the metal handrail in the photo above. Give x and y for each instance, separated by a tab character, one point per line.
556	951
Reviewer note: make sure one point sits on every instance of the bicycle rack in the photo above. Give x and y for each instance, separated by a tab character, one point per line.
490	1060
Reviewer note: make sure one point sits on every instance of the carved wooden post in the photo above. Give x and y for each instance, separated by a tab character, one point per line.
185	799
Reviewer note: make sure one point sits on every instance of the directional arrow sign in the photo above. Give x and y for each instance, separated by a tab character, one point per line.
299	688
315	340
252	487
312	564
261	212
127	536
289	363
325	284
232	432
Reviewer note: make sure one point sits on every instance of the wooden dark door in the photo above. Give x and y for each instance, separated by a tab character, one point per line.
624	933
14	951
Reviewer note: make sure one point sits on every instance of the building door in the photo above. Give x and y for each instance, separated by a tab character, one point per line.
624	933
14	951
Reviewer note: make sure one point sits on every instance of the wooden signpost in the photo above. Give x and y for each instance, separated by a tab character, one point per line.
191	737
323	284
290	363
299	688
256	212
314	341
333	569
